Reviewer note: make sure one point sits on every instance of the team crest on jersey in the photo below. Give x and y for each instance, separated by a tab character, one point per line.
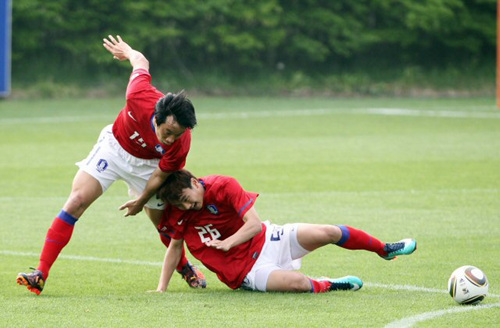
160	149
101	165
213	209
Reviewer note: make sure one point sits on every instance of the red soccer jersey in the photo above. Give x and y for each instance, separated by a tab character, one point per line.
134	129
224	204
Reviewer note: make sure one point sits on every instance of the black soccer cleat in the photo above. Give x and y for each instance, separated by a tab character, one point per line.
33	281
193	276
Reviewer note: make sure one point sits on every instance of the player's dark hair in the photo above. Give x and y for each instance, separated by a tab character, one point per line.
177	105
171	190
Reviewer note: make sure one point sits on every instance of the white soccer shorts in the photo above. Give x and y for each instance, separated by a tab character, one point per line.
281	251
108	162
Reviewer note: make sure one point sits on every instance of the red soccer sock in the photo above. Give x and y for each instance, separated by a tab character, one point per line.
165	239
319	286
58	236
357	239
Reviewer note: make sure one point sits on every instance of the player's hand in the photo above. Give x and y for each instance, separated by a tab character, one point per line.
118	48
133	207
222	245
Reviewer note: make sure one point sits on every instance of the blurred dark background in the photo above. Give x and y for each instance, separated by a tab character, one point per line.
266	47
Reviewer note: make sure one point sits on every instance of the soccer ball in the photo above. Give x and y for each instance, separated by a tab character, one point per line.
468	285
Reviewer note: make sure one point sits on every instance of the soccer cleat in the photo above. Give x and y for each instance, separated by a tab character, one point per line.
33	281
193	276
402	247
345	283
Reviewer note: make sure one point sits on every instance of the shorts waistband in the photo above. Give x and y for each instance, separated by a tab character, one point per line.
122	153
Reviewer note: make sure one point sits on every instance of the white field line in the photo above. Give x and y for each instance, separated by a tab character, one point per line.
278	113
414	288
84	258
411	321
402	323
388	192
430	113
407	287
311	194
49	120
150	263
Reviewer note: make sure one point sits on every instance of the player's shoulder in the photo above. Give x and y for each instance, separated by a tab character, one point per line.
172	213
186	136
220	184
218	180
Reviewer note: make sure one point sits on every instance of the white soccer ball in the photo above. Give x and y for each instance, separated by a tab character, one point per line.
468	285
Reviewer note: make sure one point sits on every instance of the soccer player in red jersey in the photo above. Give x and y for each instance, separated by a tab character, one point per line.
217	220
149	139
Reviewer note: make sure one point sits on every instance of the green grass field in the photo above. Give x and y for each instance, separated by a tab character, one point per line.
396	168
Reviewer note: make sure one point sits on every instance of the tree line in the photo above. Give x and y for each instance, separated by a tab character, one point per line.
244	37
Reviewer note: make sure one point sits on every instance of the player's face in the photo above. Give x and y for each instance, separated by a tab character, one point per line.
191	198
169	131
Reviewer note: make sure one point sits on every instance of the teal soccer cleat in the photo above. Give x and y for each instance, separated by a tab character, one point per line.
344	283
402	247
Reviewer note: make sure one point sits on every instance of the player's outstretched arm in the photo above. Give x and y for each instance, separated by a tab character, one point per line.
122	51
250	229
172	258
154	183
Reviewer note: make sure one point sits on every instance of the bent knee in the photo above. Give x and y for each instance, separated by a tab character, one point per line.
77	203
332	233
300	285
287	281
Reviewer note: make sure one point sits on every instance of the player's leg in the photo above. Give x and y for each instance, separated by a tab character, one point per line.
312	236
288	281
275	269
189	272
296	282
358	239
85	190
97	172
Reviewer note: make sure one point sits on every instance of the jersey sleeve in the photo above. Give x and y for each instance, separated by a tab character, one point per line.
169	226
140	80
238	198
175	156
140	90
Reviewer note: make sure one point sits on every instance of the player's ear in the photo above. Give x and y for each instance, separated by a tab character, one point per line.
195	183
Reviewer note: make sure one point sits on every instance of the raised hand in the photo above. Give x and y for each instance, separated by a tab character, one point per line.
119	49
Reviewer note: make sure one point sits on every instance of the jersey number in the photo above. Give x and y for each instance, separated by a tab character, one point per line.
208	233
139	141
276	234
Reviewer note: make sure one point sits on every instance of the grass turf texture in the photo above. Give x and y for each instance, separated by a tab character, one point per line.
431	174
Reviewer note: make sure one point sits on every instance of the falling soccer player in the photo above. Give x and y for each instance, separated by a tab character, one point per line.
217	220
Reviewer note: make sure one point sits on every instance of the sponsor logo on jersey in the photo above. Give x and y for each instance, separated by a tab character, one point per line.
101	165
213	209
163	229
130	114
160	149
180	222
